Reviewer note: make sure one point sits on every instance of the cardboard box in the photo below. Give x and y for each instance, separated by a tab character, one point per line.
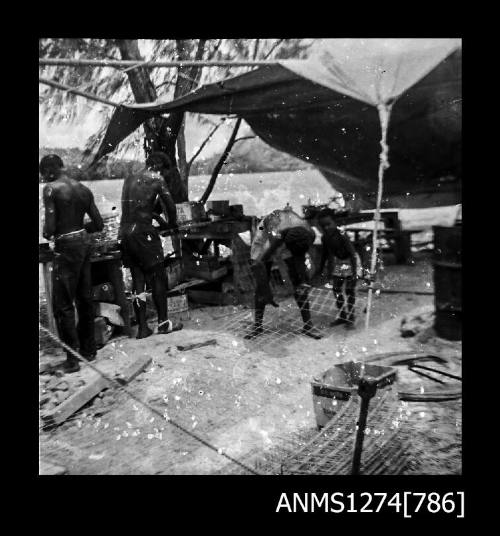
220	208
236	211
184	213
190	211
178	308
177	304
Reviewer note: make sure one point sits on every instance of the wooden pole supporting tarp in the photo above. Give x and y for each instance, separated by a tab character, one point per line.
76	91
384	112
118	64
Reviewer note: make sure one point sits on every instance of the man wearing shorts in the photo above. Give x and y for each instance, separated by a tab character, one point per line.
343	267
67	201
141	244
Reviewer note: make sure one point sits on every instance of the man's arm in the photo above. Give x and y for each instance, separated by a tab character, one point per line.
95	225
168	204
49	227
352	255
269	252
324	256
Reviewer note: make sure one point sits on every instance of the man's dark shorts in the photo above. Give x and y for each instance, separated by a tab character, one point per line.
141	247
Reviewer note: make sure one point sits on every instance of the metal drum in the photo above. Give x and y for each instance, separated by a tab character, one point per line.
448	281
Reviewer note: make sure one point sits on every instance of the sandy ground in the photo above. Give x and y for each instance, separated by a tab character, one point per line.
249	397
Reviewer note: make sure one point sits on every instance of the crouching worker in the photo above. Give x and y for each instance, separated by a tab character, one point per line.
66	203
140	241
292	243
344	267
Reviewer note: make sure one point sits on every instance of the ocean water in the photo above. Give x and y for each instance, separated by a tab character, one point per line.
260	193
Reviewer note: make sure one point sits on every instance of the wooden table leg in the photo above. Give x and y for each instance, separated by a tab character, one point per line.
47	281
116	279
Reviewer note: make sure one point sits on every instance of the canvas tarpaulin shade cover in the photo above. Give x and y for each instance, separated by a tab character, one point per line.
324	110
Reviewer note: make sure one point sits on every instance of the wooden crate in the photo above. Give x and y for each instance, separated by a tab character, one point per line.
178	308
220	208
177	304
184	212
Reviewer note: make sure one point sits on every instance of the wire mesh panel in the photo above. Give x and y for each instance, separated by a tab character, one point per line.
330	451
283	325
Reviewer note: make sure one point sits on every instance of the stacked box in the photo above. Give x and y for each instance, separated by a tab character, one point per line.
236	211
178	308
184	213
219	208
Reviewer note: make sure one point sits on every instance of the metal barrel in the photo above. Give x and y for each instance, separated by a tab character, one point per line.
448	281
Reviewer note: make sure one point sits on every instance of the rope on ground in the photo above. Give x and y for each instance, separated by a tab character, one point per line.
121	387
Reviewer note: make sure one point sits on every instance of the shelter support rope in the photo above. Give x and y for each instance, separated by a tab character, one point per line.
384	112
120	386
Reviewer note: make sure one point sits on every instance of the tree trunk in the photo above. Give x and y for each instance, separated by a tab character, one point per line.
221	162
187	80
160	133
181	155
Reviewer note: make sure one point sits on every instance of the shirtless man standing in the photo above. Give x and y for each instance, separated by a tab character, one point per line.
66	203
140	242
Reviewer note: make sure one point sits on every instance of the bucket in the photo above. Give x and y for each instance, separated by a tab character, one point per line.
448	281
336	386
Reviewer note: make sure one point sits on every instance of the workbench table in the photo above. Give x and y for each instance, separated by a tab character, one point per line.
401	240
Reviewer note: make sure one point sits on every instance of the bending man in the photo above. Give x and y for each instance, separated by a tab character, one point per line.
66	203
140	242
293	242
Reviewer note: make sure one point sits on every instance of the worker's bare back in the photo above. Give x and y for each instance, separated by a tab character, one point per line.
139	196
66	203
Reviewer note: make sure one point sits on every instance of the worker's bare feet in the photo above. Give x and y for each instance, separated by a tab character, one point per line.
338	321
144	332
256	331
168	327
311	331
68	367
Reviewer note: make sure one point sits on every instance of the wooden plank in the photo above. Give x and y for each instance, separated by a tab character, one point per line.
184	348
133	370
72	404
46	468
187	284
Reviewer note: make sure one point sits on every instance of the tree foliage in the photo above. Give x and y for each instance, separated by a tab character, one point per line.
121	85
